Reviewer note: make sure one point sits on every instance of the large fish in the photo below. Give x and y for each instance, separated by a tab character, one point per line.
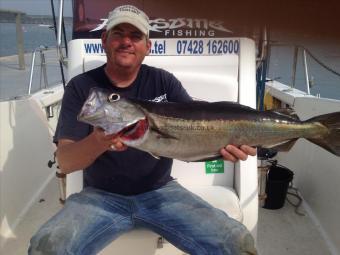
196	131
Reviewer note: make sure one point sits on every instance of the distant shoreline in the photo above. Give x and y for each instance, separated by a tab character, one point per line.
32	19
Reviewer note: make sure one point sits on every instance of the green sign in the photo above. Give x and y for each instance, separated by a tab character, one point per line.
214	167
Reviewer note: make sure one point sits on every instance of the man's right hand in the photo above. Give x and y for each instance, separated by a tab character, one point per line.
112	142
76	155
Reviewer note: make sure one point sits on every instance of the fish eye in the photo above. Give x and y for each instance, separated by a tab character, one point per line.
113	97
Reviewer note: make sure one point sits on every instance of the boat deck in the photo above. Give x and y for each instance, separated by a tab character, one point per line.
15	82
280	232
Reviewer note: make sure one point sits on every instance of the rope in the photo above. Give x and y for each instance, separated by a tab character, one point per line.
298	204
291	187
321	63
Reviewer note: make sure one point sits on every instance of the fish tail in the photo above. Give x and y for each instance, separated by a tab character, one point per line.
330	141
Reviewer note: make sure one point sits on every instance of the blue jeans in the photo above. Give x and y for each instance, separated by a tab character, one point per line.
93	218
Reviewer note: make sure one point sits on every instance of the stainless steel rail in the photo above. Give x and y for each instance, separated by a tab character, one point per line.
305	64
305	54
62	59
41	50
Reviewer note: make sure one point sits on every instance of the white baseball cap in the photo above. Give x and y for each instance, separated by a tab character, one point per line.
129	14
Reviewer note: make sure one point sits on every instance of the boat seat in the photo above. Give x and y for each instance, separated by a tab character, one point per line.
233	187
223	198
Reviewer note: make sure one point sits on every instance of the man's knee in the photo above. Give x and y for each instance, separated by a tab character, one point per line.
234	238
41	244
49	241
242	241
247	245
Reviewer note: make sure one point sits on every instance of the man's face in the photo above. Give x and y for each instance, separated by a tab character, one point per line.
125	46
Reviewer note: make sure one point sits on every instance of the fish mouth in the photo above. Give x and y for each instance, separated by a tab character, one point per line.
134	131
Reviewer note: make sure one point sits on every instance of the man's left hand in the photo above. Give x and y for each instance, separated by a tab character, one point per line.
233	153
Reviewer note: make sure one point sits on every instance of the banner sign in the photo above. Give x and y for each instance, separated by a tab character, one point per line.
179	47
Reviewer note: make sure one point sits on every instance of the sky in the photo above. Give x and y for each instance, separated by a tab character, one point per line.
36	7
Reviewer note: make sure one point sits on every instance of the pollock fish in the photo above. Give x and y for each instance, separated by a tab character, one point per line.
196	131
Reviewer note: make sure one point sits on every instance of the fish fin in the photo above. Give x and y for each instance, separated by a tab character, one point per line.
163	135
330	142
284	146
290	112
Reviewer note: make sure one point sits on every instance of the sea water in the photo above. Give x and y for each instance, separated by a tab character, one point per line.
34	35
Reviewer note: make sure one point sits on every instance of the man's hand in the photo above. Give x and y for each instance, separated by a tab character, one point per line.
111	142
117	145
233	153
75	155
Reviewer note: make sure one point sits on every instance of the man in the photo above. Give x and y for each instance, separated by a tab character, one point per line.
124	187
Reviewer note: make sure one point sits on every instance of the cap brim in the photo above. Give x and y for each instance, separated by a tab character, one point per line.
128	20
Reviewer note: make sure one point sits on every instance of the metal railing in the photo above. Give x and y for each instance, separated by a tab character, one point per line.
305	55
58	33
62	59
43	72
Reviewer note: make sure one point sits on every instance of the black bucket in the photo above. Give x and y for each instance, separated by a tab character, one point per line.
278	180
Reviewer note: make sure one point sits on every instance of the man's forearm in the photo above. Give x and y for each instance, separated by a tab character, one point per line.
73	156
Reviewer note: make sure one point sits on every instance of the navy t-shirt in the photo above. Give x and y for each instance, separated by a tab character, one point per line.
132	171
